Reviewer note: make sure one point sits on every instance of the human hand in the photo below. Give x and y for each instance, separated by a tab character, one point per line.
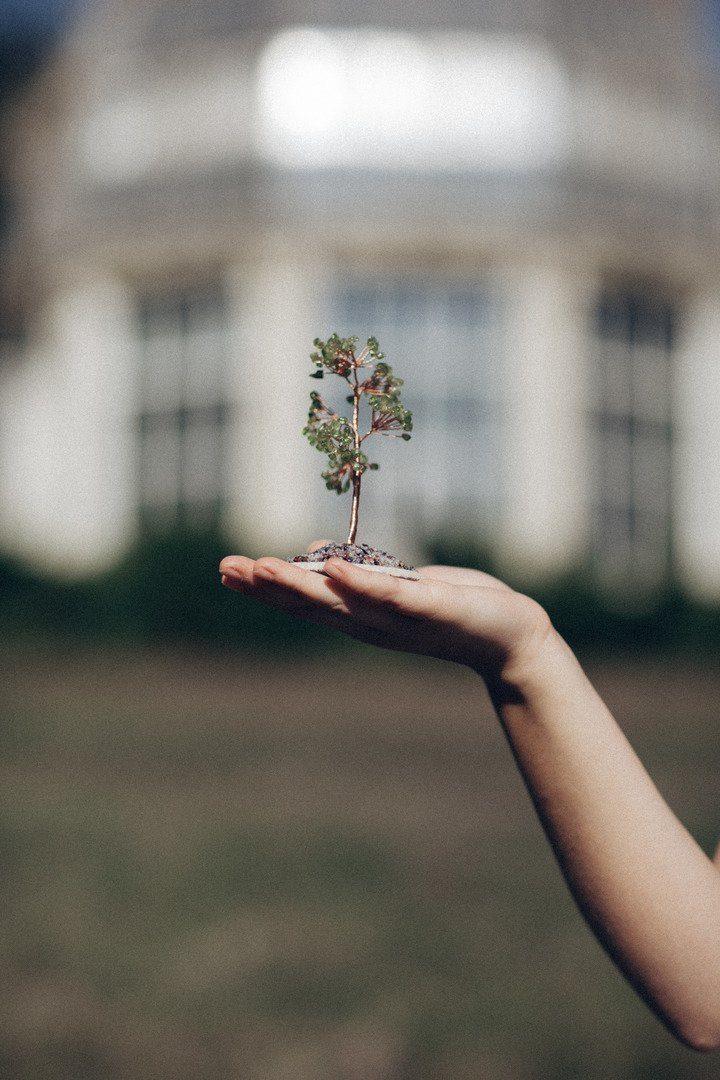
452	613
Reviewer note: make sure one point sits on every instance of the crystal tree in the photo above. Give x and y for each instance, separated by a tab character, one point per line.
375	394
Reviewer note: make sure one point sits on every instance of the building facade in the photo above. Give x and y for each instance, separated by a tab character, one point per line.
518	200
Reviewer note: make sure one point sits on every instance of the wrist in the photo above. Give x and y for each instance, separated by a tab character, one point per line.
533	665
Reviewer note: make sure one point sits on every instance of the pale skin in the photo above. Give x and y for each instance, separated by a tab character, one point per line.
647	890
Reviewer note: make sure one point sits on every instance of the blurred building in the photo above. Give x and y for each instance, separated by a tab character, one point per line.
519	199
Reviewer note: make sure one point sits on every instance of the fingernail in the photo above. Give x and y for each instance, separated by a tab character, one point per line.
232	581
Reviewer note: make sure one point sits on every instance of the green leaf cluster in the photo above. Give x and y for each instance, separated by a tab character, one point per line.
383	388
393	414
334	355
333	434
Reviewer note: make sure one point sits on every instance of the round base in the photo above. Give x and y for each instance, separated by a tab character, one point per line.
393	571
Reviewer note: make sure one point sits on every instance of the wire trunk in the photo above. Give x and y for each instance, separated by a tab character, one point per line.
357	476
354	511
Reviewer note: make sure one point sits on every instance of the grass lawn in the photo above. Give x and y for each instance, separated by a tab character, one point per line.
216	868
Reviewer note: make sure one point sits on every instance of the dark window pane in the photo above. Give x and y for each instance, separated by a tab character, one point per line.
183	413
632	421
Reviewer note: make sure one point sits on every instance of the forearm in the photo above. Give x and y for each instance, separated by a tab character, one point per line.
646	888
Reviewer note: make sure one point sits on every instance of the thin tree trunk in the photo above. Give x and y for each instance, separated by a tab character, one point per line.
355	505
357	477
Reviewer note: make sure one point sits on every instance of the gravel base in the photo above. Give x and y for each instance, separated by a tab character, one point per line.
369	558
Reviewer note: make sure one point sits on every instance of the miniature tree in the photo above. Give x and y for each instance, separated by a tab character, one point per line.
339	436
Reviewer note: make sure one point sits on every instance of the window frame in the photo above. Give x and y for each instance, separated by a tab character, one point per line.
169	306
435	289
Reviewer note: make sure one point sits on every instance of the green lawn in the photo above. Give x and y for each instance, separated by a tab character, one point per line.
218	868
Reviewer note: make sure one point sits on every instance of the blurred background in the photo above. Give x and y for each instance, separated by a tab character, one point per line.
233	846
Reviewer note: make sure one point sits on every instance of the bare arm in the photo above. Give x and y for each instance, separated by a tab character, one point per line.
647	890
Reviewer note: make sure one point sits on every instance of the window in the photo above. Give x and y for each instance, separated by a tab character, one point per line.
183	413
633	440
443	339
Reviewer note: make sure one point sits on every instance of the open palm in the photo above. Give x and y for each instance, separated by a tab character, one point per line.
453	613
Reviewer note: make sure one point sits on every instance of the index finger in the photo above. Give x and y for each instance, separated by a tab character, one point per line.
422	599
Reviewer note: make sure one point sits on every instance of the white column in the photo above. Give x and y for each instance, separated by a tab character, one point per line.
696	475
68	442
276	298
546	515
